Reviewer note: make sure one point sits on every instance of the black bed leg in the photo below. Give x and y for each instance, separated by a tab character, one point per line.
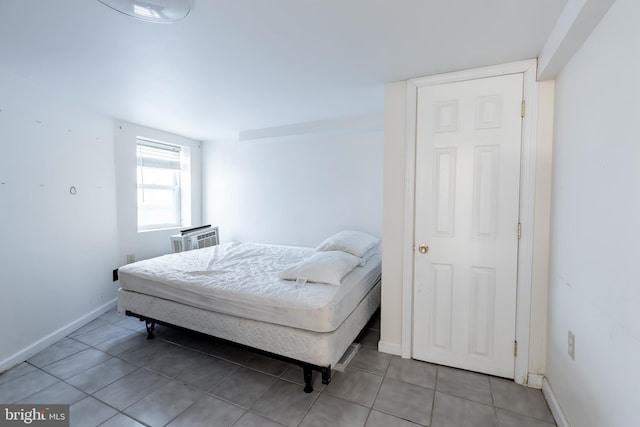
326	375
308	376
150	327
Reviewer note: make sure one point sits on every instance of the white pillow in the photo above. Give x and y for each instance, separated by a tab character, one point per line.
365	259
354	242
322	267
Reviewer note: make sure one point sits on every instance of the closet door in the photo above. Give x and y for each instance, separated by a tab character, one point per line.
466	223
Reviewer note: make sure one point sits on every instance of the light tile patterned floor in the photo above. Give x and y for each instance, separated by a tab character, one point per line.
111	375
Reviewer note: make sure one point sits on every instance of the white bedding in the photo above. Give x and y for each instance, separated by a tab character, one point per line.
241	279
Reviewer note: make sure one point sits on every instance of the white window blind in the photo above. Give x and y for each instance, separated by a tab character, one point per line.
159	185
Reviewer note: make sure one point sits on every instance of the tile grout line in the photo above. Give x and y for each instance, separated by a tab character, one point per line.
180	345
376	395
378	390
435	390
309	407
143	364
86	395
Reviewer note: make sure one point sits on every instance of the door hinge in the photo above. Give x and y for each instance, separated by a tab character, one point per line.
519	231
523	109
515	348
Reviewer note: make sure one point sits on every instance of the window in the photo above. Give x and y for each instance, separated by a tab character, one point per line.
161	184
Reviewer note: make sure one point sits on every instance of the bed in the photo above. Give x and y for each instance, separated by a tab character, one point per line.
303	305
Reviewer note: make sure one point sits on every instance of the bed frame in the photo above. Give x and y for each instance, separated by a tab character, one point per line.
307	368
313	351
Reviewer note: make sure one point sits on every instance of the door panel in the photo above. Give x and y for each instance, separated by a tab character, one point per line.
468	140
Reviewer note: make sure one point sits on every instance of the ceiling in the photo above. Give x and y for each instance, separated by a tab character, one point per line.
240	65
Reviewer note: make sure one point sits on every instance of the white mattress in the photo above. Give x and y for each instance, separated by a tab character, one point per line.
322	349
241	279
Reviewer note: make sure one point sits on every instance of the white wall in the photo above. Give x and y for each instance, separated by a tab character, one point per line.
147	244
542	214
58	249
294	190
395	100
594	281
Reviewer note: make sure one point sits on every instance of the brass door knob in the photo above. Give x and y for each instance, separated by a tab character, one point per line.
423	248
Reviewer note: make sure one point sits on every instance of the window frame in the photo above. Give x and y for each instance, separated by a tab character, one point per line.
170	164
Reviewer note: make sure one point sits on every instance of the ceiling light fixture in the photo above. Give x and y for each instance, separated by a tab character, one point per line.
159	11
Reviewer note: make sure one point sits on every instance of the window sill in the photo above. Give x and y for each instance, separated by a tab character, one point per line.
153	230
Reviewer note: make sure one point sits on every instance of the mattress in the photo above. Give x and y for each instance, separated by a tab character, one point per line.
241	279
322	349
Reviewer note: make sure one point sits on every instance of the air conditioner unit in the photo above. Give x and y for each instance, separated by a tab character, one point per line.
195	238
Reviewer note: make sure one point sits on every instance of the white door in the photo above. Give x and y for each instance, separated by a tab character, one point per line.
468	140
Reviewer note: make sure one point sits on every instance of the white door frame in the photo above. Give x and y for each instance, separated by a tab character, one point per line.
527	198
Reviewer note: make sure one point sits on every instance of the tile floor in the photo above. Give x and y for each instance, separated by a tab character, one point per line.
112	376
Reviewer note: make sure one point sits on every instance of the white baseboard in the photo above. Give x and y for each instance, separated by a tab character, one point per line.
561	421
535	380
53	337
391	348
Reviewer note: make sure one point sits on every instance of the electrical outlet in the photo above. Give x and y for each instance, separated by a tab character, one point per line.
131	258
572	346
